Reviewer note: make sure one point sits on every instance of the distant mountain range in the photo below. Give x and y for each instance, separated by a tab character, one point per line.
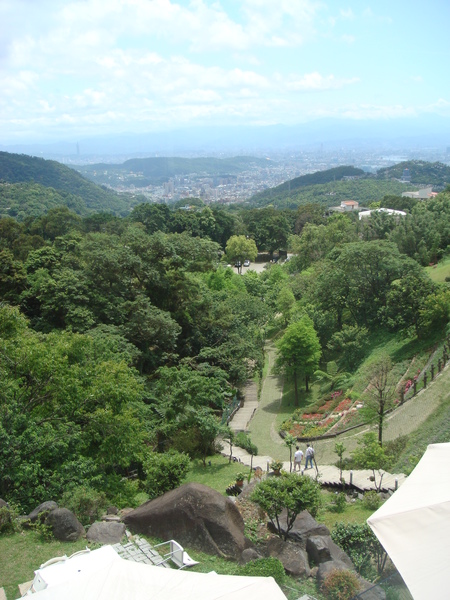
430	130
156	170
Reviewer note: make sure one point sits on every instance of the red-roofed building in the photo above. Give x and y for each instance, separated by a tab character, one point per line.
349	205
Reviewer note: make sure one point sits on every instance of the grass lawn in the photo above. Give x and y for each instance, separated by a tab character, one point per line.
354	512
24	552
217	475
440	271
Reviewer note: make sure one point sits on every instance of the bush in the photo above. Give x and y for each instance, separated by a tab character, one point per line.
340	585
243	441
339	503
8	519
371	500
265	567
165	472
362	546
86	503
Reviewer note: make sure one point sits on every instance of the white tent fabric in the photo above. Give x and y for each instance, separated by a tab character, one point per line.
414	526
119	579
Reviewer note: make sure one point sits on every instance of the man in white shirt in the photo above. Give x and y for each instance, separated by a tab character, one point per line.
298	459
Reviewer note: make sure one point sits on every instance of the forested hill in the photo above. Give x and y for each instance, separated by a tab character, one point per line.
320	177
156	170
330	188
422	173
72	188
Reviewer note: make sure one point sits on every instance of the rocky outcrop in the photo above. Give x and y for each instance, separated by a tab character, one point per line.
194	515
304	527
65	525
104	532
293	558
42	509
321	548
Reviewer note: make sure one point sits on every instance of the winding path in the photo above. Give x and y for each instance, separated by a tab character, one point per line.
261	425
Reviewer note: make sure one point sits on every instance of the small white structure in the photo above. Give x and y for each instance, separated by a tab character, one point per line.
364	214
414	526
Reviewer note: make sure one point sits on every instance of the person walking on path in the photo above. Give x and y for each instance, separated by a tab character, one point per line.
298	459
309	455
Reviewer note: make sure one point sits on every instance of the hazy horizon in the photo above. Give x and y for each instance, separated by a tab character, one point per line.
79	69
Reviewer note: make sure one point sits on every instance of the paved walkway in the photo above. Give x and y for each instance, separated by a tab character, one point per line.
259	419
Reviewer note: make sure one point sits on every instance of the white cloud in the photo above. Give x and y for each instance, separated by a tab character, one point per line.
347	14
317	82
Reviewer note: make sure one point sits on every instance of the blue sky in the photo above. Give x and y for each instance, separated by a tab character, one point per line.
74	68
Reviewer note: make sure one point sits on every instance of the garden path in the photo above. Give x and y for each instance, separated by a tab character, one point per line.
262	428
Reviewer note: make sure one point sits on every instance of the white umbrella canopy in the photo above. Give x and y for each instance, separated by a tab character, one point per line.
117	579
414	526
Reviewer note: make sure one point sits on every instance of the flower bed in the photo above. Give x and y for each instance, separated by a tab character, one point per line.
331	415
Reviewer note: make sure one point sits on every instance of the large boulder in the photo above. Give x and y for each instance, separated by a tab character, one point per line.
3	503
304	527
45	507
292	556
326	568
195	516
105	532
65	525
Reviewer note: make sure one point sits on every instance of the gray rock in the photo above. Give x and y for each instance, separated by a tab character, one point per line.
248	555
292	556
45	507
322	549
3	503
112	510
327	567
105	532
65	525
194	515
371	591
304	527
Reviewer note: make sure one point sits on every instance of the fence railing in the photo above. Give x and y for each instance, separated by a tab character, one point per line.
420	381
393	586
230	409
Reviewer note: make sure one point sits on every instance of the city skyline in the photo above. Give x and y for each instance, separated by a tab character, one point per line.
78	68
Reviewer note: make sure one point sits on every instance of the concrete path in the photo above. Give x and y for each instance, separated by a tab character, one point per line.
259	419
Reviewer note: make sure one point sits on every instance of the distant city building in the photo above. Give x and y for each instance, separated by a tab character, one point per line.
406	177
168	188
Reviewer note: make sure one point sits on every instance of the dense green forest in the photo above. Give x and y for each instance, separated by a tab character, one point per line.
35	175
421	172
156	170
123	339
365	191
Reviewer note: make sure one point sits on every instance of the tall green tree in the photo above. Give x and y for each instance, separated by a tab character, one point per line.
240	248
299	352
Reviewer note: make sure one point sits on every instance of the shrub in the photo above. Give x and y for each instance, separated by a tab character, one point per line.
340	585
243	441
165	472
371	500
339	503
85	502
8	519
265	567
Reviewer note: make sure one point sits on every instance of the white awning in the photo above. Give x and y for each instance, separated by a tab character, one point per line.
120	579
414	526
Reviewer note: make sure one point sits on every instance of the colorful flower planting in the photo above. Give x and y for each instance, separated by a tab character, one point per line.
330	416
